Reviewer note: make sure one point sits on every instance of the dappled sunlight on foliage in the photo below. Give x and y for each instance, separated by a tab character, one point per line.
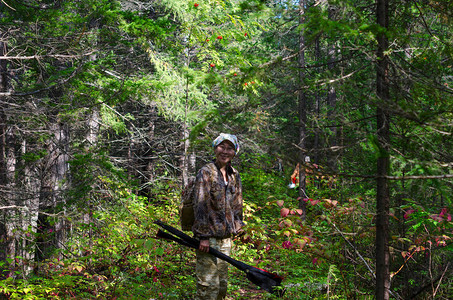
331	252
108	107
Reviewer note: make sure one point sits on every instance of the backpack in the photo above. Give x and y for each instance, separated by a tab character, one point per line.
186	213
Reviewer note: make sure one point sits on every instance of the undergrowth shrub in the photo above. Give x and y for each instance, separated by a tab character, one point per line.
329	255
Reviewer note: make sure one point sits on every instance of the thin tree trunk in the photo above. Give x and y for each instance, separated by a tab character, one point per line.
188	159
383	162
332	99
59	169
318	112
93	127
92	139
3	148
149	153
29	216
302	114
8	168
12	215
185	156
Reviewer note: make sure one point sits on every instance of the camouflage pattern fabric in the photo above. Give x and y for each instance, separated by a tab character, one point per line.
217	206
227	137
212	272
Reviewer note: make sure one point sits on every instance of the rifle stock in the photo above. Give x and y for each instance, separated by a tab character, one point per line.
266	280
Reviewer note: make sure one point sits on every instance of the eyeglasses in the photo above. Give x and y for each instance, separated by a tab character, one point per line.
226	148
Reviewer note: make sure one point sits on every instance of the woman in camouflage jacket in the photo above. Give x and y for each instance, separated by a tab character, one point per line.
218	216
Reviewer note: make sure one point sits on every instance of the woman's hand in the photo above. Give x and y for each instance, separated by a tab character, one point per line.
204	246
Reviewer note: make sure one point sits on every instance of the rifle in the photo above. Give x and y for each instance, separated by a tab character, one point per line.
262	278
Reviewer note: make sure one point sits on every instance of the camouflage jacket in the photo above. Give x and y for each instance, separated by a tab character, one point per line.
217	207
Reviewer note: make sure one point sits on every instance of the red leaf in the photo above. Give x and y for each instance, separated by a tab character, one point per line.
408	213
330	203
314	202
286	244
436	218
280	203
284	212
288	223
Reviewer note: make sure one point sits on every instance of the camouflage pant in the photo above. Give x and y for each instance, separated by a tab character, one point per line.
212	272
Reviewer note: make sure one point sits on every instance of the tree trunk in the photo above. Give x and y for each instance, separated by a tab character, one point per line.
302	114
383	162
188	160
30	193
185	156
7	169
149	168
317	133
59	158
3	150
94	121
92	139
332	100
11	214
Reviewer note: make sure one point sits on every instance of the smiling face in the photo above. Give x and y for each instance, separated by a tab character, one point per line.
224	153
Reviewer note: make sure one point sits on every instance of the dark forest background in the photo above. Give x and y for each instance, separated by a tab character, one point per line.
108	107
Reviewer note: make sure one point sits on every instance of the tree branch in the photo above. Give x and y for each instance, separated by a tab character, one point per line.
13	206
44	56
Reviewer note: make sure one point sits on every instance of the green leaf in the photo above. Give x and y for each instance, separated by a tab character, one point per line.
149	244
160	251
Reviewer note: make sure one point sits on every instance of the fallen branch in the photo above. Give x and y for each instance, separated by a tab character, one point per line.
45	56
13	206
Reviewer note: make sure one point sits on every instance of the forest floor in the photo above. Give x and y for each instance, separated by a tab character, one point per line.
244	290
246	293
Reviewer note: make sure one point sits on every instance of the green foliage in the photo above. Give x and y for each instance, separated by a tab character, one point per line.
230	65
30	157
325	253
113	256
116	255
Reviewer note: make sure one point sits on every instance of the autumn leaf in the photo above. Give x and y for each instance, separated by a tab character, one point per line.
300	242
288	223
286	244
330	203
284	212
408	213
314	202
